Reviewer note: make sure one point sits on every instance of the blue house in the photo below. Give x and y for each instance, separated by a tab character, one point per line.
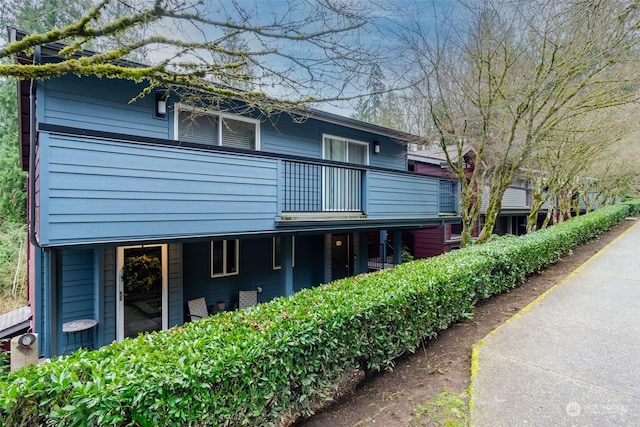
136	208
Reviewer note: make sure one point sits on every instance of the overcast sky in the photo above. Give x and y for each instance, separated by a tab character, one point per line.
386	19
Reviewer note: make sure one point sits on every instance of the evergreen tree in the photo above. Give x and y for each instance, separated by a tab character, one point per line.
12	178
369	108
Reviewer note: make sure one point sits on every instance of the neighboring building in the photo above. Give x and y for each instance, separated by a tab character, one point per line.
436	239
433	240
516	205
134	212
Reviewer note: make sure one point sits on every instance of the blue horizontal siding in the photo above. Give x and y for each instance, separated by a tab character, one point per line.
111	106
401	196
107	330
176	314
77	284
98	190
99	104
284	136
107	191
255	269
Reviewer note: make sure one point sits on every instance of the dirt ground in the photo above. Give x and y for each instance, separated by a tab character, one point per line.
390	398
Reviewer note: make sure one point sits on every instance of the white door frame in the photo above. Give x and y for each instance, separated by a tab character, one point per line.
120	287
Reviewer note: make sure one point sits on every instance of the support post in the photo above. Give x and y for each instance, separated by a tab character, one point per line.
383	248
397	247
363	253
286	263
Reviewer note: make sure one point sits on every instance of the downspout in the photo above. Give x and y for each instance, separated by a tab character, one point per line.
37	316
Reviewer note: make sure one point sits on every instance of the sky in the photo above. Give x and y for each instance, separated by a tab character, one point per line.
380	36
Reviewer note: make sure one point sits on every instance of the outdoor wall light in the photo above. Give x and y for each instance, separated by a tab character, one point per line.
27	340
161	104
376	147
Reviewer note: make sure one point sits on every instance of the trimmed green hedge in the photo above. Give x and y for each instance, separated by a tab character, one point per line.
274	362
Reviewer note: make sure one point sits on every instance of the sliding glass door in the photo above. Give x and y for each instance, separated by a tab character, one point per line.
342	187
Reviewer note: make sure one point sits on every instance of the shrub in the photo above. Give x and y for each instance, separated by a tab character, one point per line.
271	363
634	206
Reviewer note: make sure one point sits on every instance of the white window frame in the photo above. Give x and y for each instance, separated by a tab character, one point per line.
225	254
273	252
120	287
184	107
326	136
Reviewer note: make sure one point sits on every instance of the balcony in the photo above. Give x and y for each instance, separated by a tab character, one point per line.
326	190
311	187
127	190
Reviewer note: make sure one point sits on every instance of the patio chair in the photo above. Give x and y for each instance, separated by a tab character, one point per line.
197	308
247	299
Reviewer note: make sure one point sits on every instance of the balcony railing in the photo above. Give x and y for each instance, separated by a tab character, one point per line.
311	187
448	196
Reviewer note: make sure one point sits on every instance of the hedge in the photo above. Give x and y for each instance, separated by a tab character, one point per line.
274	362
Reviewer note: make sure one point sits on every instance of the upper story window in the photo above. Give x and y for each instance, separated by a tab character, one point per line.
211	128
345	150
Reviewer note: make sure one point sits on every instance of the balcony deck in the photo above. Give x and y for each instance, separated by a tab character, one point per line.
114	189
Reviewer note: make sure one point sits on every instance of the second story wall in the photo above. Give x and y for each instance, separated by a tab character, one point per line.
514	198
109	105
305	139
99	104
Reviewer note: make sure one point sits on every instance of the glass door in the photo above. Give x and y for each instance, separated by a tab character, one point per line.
342	185
142	290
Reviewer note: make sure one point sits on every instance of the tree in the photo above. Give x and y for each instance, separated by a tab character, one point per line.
368	108
507	75
299	54
568	167
32	16
12	184
40	15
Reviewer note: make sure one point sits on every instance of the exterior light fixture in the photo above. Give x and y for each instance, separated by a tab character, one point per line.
376	147
161	104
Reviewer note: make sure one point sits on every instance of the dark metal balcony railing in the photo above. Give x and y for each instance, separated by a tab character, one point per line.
312	187
448	196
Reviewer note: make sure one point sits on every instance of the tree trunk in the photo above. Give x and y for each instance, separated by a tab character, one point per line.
470	202
538	200
499	186
565	206
547	219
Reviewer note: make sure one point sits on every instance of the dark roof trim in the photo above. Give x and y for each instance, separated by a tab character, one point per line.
24	117
364	126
